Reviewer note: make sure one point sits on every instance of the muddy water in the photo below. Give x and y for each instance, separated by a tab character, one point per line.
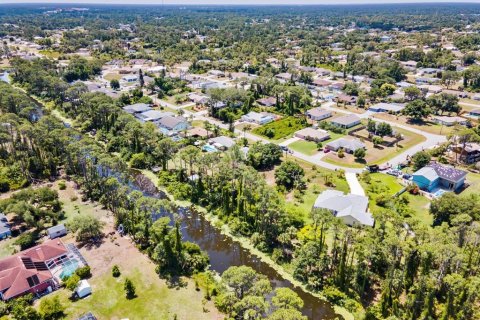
224	252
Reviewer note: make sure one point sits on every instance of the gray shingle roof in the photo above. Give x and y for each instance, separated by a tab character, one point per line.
169	122
349	206
137	107
350	144
346	120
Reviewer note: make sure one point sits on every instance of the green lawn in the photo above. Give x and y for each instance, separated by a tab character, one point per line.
386	184
7	247
50	54
315	178
153	301
112	76
333	136
306	147
279	129
473	180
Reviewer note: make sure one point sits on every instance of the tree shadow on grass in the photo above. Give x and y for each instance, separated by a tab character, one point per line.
361	161
131	296
174	281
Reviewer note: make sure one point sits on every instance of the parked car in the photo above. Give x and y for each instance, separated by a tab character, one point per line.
326	150
394	172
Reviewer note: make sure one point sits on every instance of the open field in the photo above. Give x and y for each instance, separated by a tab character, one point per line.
473	180
50	54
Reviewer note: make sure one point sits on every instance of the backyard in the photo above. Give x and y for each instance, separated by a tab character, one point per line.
387	185
156	299
317	179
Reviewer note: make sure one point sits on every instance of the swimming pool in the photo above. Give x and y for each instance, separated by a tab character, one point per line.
68	268
209	148
439	192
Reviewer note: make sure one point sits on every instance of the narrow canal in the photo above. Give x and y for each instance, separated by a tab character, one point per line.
224	253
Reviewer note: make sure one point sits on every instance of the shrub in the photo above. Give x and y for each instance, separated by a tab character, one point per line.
383	200
359	154
138	161
420	160
62	185
71	282
27	240
83	272
129	289
116	271
51	309
4	186
341	154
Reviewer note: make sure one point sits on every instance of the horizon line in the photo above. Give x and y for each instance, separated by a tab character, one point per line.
258	3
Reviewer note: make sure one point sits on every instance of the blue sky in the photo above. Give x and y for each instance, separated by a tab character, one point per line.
230	2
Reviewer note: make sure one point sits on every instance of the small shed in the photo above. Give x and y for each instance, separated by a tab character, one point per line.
83	289
57	231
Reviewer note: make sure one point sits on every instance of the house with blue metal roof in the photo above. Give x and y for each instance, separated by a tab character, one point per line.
5	231
436	176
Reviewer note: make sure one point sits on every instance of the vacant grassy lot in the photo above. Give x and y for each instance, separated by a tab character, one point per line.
50	54
427	126
306	147
279	129
112	76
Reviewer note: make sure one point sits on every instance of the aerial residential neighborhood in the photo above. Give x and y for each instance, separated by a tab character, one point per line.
239	161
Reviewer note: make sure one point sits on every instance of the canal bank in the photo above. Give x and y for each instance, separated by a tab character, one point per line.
226	249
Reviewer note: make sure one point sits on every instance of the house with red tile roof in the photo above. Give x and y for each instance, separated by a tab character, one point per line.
28	271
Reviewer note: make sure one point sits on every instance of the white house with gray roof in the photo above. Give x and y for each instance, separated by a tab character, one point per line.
153	115
137	108
169	124
222	142
347	121
348	145
387	107
318	114
351	208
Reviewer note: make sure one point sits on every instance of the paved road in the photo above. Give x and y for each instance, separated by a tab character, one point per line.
432	140
477	106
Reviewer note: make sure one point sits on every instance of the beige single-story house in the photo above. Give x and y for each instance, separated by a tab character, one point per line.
311	134
346	121
318	114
